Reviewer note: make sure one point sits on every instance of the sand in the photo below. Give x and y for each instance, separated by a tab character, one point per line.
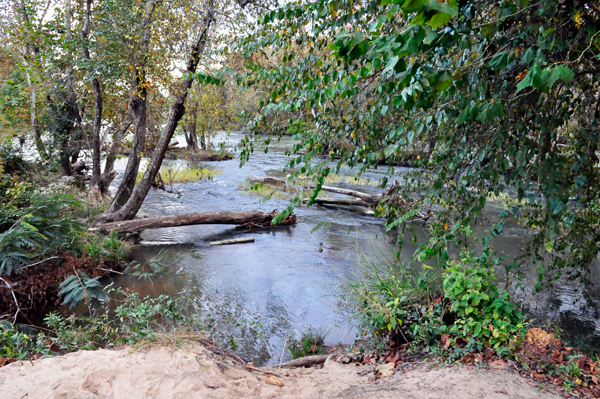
194	372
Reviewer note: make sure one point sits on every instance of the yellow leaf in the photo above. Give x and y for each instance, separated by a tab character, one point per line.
445	226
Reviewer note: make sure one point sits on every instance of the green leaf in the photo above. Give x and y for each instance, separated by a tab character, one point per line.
439	19
549	246
413	5
560	72
391	63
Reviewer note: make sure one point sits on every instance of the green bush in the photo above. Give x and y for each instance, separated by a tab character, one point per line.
484	316
17	344
458	302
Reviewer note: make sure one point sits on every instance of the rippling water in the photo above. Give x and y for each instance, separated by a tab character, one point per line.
282	281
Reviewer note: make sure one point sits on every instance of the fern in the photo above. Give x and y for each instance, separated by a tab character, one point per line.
80	287
16	245
43	227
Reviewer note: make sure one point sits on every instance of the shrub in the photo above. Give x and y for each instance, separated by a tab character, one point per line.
459	305
484	316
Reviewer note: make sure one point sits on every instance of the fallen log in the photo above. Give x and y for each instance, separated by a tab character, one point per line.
307	361
342	201
248	218
372	199
233	241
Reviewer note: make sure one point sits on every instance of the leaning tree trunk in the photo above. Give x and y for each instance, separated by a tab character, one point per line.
130	209
138	105
108	175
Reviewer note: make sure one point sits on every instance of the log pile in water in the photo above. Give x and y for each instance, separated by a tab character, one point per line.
360	199
246	218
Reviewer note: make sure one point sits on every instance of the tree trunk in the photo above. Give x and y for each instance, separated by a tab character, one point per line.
138	105
188	219
39	144
108	175
130	209
27	55
193	137
96	182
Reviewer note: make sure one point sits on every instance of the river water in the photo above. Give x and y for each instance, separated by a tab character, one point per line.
259	294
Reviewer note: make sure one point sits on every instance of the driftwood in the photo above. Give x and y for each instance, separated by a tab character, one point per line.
233	241
307	361
368	199
341	201
249	218
371	199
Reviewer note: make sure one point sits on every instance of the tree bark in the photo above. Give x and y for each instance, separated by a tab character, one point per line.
130	209
188	219
138	105
241	240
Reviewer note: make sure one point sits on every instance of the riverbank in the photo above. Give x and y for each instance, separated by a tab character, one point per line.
192	371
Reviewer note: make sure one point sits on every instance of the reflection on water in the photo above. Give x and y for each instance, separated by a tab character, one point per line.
282	283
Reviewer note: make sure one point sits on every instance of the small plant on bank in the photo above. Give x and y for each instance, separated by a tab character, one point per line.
310	343
451	312
80	287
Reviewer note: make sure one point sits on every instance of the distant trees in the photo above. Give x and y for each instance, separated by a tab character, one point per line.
93	72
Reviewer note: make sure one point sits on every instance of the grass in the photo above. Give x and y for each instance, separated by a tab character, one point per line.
310	343
188	175
269	191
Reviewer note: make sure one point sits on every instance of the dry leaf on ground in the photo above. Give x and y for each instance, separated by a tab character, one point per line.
498	364
386	369
273	381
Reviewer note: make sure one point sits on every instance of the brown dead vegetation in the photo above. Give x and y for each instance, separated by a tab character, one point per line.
38	286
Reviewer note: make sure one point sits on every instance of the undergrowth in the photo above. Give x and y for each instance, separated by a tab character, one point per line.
309	343
449	311
136	320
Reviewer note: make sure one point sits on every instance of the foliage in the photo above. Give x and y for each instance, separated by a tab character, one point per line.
79	287
184	175
17	344
483	315
136	319
44	226
310	343
499	97
102	247
457	308
398	303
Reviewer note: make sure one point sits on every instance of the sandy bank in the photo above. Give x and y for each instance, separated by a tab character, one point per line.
194	372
